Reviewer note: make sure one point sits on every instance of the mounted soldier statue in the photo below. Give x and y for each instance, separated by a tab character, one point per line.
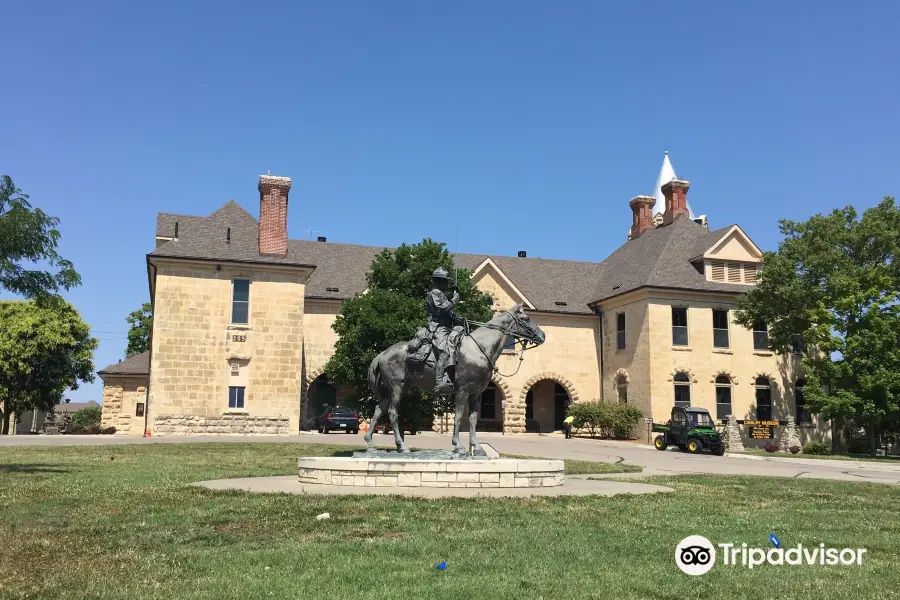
446	358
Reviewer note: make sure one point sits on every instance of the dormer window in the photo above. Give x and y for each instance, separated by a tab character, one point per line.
732	272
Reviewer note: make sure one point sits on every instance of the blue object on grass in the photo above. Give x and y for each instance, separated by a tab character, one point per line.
442	565
775	541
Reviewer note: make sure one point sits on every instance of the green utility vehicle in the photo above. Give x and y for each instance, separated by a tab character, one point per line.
691	429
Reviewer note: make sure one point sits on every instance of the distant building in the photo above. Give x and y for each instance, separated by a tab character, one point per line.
243	314
33	421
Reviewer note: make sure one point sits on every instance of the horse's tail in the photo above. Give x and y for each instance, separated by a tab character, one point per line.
375	378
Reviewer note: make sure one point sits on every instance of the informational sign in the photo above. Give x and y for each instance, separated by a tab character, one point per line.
648	421
761	430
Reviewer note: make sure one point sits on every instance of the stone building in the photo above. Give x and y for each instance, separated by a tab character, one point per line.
243	314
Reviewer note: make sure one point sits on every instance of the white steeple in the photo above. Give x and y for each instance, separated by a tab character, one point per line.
666	174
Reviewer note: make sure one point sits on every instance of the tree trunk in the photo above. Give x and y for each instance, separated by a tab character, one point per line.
839	435
873	438
5	429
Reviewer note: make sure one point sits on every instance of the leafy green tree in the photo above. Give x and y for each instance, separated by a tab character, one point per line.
141	322
45	349
835	280
390	311
28	235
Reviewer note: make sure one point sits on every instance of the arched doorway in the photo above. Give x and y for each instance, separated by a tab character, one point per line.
322	394
491	416
545	406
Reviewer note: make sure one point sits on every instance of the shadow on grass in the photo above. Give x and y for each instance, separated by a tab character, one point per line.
35	468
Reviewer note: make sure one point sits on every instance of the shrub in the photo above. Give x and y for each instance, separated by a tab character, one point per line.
605	418
86	417
816	448
794	449
89	430
108	430
770	447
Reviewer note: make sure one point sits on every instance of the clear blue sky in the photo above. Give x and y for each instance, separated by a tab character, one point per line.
547	117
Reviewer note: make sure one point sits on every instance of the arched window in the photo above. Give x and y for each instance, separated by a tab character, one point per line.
682	390
622	389
803	415
763	399
723	397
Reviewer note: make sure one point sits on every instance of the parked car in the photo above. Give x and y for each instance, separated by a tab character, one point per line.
338	418
692	430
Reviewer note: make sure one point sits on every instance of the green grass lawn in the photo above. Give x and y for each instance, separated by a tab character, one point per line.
858	457
120	522
590	467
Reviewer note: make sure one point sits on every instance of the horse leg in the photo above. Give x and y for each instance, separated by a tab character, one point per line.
394	413
380	409
474	410
457	421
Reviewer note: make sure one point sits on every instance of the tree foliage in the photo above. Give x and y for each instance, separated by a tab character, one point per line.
45	349
391	310
835	279
28	235
141	322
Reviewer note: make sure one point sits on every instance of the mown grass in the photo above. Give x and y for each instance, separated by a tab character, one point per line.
120	522
857	457
590	467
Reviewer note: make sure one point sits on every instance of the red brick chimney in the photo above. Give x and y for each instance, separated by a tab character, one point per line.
676	199
642	215
273	205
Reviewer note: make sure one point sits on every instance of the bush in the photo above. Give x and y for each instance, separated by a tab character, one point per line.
108	430
794	449
86	417
770	447
816	448
605	418
89	430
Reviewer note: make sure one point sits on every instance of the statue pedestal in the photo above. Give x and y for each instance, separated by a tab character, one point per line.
429	470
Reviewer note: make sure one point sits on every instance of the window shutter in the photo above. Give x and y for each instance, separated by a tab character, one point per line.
718	271
734	272
750	273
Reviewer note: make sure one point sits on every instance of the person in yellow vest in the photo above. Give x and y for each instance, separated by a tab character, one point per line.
568	423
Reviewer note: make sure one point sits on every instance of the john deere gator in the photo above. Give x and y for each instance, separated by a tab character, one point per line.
692	430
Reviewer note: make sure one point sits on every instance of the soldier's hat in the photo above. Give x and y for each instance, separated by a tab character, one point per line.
440	273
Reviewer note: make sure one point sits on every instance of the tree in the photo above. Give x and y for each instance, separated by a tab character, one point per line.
390	311
141	322
86	417
835	280
29	235
45	349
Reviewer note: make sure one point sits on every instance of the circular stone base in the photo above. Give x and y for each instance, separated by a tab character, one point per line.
413	473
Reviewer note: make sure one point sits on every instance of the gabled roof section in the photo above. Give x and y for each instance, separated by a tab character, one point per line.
165	224
138	364
661	257
733	244
208	239
489	264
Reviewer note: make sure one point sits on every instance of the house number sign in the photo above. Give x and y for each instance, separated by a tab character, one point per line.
239	338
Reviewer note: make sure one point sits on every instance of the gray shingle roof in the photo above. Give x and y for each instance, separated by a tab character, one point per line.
165	224
138	364
661	257
658	258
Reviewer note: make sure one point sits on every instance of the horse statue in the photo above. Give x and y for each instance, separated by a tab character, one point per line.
393	370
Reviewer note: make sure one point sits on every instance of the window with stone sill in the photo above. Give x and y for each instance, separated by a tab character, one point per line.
720	328
240	301
139	409
723	397
760	336
679	326
763	399
682	390
236	397
804	417
620	331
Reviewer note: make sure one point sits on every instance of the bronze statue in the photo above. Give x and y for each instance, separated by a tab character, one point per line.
441	320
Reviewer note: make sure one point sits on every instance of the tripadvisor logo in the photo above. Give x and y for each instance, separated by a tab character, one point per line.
696	555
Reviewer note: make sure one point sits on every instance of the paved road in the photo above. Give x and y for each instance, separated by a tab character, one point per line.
671	462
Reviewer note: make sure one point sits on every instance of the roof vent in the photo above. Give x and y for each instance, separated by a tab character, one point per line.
522	254
228	235
561	303
176	230
331	289
617	286
321	238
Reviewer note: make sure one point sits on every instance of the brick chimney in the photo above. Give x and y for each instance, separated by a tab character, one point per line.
273	205
642	215
675	193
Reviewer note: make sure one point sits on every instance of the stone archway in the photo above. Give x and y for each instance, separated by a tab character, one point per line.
307	410
550	404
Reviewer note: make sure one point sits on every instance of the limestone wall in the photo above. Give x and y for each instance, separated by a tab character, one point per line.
703	363
194	344
632	362
121	396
